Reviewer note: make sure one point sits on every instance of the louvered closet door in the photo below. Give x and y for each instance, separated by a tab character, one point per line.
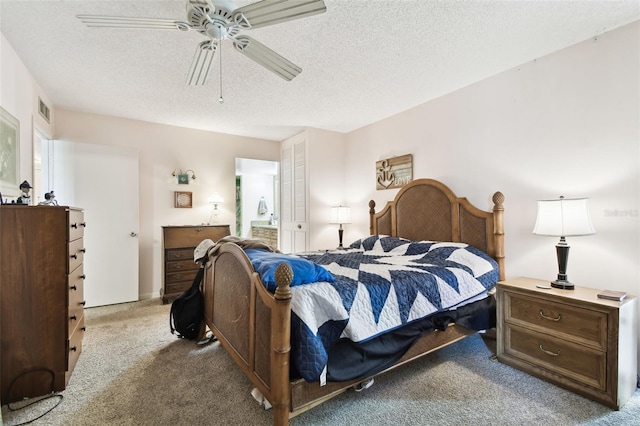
294	213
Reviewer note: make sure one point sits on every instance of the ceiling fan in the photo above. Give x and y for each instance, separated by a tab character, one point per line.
219	20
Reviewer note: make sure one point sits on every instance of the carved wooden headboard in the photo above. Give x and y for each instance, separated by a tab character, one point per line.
426	209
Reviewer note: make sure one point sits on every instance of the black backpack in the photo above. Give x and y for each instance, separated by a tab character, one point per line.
187	310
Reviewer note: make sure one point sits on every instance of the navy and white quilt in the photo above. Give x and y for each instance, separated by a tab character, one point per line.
380	283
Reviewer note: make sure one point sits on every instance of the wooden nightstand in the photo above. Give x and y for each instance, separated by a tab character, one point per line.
569	338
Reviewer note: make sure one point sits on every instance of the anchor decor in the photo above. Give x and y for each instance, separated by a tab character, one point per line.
394	172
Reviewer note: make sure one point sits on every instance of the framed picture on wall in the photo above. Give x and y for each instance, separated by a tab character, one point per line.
9	154
182	200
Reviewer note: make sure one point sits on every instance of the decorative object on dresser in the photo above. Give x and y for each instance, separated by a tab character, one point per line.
563	218
340	215
41	298
179	242
573	339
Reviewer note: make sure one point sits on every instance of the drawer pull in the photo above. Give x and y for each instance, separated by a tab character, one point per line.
83	328
83	250
177	255
74	349
549	318
74	225
83	276
73	317
83	224
73	287
84	302
549	352
74	256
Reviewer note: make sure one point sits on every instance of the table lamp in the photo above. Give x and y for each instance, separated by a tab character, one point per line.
563	217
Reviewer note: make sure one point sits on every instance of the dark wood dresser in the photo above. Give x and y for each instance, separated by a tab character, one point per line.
178	245
41	298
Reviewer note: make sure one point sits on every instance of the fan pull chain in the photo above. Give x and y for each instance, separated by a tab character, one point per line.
220	99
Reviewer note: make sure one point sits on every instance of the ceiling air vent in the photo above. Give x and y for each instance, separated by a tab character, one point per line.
43	109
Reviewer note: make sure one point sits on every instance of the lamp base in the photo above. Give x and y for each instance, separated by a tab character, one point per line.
563	284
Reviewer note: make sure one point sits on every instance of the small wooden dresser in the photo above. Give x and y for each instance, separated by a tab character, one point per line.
570	337
179	267
41	297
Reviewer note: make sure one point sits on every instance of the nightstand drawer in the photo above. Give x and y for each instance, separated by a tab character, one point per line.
579	363
573	323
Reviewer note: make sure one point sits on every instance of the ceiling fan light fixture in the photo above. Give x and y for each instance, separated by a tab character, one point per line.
221	19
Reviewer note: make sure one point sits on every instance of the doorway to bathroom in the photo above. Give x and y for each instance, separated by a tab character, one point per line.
257	199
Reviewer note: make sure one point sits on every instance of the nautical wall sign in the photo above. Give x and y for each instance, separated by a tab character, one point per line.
394	172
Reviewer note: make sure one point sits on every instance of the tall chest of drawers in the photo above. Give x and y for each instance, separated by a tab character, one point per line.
41	297
178	245
569	337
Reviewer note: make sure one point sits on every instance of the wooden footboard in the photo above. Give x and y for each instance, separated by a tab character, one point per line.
252	324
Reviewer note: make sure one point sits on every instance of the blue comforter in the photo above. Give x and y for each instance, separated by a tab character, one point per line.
380	283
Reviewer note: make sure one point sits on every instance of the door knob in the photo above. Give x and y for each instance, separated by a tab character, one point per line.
133	234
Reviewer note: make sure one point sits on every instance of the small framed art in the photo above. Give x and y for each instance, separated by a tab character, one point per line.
182	200
9	154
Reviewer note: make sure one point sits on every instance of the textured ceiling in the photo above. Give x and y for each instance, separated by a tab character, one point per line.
362	60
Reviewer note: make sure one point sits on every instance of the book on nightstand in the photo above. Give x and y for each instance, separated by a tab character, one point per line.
612	295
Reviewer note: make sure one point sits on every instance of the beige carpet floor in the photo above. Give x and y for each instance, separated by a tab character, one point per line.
132	371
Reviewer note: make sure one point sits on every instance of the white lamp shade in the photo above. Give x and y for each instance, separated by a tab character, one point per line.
216	199
340	214
563	218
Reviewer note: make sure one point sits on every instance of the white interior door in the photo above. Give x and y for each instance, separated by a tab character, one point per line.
102	180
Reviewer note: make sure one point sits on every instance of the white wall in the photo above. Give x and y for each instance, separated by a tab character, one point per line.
565	124
162	149
19	94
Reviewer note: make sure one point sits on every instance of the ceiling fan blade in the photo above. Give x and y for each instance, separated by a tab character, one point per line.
133	23
201	64
269	12
266	57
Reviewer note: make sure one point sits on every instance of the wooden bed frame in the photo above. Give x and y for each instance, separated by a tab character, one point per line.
253	325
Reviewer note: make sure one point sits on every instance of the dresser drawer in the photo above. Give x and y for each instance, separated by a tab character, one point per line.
74	345
579	363
76	224
76	253
183	265
185	254
76	283
573	323
76	298
191	236
177	288
174	277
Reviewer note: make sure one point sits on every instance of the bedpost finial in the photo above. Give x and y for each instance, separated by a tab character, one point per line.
284	277
498	199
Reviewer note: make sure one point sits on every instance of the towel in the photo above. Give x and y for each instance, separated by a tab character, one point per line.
262	206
